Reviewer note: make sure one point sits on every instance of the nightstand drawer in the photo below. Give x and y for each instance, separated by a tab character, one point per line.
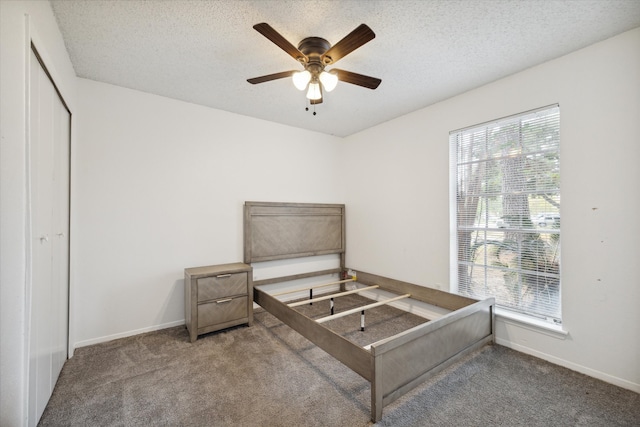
222	310
222	285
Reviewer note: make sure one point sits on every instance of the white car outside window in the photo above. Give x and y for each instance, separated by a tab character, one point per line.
547	220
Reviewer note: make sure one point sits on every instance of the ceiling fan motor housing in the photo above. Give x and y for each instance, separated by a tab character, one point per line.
314	48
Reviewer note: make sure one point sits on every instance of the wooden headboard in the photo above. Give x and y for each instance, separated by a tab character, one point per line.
274	231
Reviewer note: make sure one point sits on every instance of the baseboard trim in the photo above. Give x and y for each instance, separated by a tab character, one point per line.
126	334
570	365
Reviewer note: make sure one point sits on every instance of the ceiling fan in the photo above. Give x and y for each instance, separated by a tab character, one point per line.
315	53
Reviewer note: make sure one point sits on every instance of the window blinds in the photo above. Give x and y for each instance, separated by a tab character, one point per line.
505	193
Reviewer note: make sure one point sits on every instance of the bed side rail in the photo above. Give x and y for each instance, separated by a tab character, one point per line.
421	293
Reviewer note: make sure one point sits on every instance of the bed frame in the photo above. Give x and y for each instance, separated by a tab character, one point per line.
395	365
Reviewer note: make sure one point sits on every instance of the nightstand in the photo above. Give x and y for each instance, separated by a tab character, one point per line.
217	297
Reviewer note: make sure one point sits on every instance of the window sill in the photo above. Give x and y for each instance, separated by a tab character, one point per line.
531	323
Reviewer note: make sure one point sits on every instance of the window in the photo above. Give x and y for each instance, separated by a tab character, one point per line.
505	212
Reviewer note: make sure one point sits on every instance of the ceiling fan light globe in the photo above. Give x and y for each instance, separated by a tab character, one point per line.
314	92
329	81
300	79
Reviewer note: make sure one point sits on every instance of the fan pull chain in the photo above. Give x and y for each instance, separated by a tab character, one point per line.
306	108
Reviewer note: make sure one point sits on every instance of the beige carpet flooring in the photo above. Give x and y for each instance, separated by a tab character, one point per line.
269	375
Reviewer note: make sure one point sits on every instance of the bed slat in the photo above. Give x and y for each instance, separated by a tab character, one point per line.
364	307
326	297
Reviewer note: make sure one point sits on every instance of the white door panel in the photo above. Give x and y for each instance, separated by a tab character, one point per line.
61	238
49	133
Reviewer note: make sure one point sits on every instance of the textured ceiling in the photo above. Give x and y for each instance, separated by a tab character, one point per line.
424	51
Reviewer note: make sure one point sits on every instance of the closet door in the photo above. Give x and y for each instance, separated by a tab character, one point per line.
49	133
60	229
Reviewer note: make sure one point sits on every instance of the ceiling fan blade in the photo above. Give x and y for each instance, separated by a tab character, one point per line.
270	77
268	31
357	79
348	44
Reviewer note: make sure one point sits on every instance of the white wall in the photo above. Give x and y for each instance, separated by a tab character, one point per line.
21	22
398	198
161	186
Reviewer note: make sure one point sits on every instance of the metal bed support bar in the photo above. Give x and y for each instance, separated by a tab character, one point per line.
312	287
365	307
326	297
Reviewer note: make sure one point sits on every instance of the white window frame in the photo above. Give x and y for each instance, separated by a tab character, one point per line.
514	313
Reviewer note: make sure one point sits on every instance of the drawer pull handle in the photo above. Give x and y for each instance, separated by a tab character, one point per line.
224	300
222	276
